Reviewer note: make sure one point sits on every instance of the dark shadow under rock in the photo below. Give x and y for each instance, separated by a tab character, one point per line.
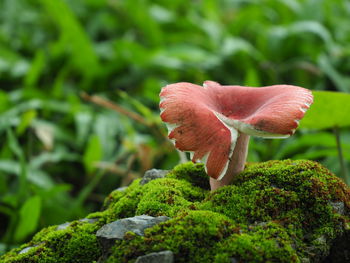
340	250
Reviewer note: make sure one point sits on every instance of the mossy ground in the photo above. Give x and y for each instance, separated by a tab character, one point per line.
75	243
277	211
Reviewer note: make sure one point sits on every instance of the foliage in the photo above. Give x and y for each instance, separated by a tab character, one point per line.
61	151
329	110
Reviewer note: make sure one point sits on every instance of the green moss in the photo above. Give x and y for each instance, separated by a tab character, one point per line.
113	197
192	235
277	189
76	243
125	206
255	200
277	211
164	196
191	172
266	242
168	197
204	236
270	209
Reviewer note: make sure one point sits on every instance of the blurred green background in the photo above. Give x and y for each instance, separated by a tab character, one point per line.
79	85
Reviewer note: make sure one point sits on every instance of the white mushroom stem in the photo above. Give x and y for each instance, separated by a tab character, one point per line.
237	163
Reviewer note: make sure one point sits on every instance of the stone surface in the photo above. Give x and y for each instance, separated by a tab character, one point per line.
88	220
121	189
137	225
117	229
63	226
152	175
157	257
338	207
25	250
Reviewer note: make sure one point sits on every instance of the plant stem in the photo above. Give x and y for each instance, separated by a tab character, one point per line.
110	105
343	169
236	165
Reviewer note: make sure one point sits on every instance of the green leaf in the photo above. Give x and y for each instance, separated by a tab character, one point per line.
34	175
107	126
73	37
341	82
330	109
26	120
316	155
83	121
233	45
36	69
14	145
23	171
57	155
11	117
10	61
300	27
294	146
84	193
29	215
146	112
252	78
4	101
92	153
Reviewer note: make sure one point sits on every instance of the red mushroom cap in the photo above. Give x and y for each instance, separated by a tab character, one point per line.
207	120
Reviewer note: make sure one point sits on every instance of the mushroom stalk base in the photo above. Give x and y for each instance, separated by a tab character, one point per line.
236	164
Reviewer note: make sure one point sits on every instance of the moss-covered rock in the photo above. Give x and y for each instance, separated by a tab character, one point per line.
74	242
191	235
277	211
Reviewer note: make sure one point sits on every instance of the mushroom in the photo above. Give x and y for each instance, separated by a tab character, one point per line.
214	122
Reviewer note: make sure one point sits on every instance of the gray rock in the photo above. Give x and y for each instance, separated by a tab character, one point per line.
63	226
137	225
321	240
116	230
25	250
121	189
89	220
262	224
166	256
338	207
67	224
152	175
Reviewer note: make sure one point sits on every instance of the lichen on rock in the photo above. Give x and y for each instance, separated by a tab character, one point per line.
277	211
